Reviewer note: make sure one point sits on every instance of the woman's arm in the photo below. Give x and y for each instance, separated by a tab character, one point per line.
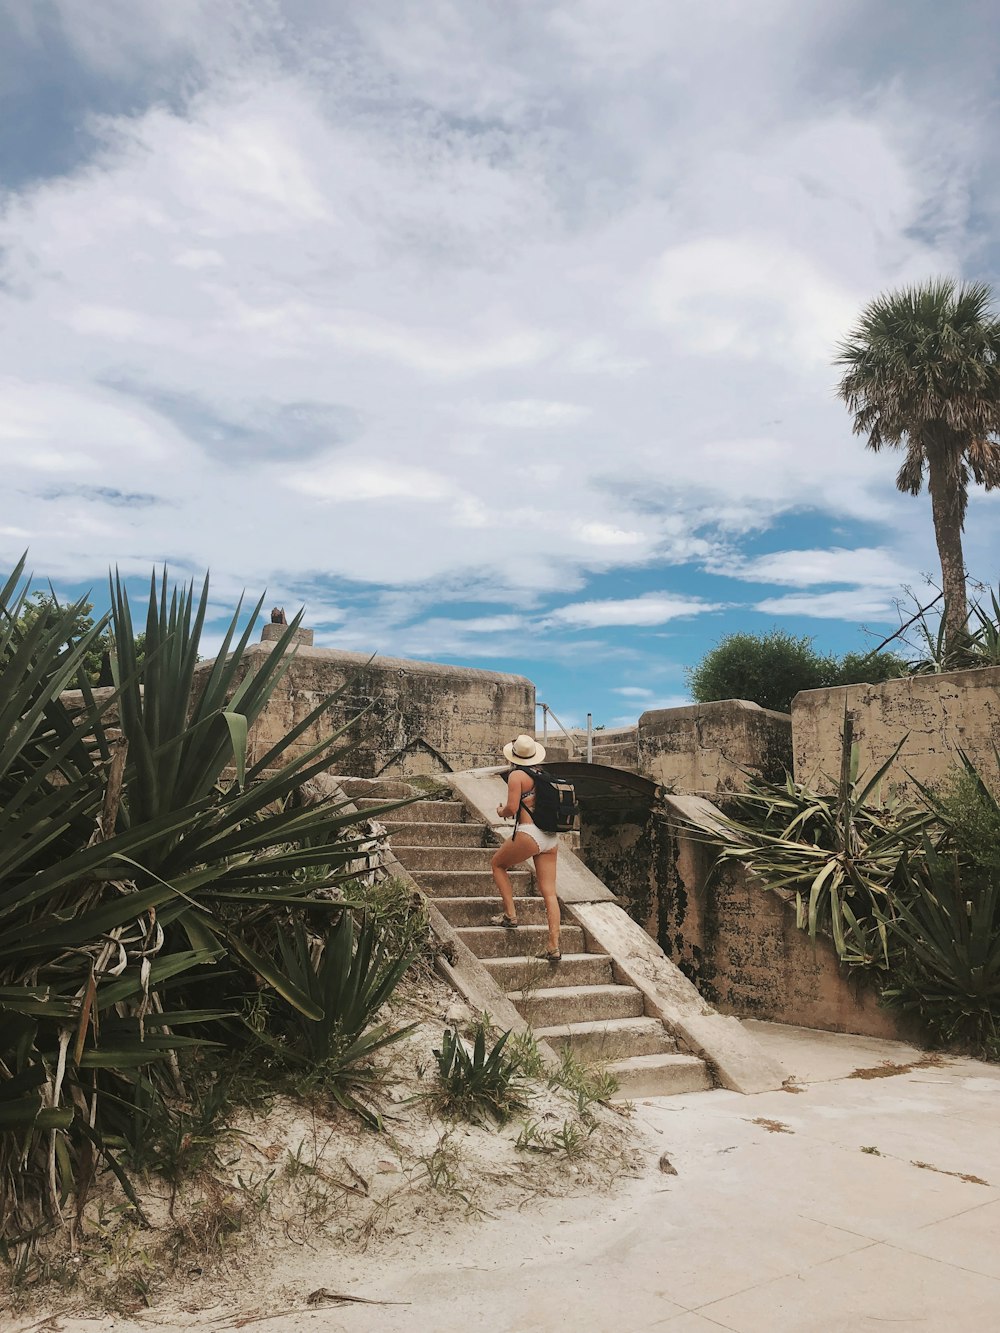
515	786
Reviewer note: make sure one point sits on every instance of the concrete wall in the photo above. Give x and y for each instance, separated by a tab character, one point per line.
734	939
706	749
935	714
738	942
424	717
620	843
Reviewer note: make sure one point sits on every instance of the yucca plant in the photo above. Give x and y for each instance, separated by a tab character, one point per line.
349	974
137	860
977	644
947	921
837	854
483	1082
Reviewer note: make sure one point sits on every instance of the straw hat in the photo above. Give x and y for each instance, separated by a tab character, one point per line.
525	750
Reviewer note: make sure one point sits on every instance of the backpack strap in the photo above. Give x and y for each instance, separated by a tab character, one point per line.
520	804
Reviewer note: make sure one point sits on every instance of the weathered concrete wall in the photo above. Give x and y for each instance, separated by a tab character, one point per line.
423	717
932	715
619	842
706	749
738	942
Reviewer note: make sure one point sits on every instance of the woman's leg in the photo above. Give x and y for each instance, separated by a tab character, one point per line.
545	878
519	848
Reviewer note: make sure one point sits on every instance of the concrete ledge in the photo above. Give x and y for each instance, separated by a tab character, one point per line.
713	748
736	1059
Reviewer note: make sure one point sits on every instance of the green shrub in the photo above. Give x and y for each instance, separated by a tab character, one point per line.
770	669
401	914
866	668
910	893
836	853
348	975
147	873
587	1083
947	922
482	1083
942	649
968	809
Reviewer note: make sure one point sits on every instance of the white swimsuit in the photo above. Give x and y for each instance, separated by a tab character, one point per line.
542	840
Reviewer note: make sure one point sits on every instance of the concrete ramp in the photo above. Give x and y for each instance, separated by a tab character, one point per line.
651	1012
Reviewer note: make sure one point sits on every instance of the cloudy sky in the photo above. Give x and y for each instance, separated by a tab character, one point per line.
495	333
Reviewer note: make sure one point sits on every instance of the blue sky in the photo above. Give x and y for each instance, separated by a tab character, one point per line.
494	334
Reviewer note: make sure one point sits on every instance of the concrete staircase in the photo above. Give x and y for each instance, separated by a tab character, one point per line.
579	1002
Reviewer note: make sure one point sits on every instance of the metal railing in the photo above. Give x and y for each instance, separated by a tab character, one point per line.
547	713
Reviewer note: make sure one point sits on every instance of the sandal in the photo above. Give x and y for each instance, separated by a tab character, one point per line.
508	922
550	956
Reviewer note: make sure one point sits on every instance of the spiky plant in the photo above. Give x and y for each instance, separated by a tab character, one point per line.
143	866
837	854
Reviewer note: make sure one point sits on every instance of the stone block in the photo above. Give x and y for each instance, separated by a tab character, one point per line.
271	633
708	749
419	717
932	717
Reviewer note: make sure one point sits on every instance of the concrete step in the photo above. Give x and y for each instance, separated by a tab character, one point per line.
495	942
659	1076
615	1039
477	911
435	812
467	883
428	834
561	1005
376	790
576	969
444	858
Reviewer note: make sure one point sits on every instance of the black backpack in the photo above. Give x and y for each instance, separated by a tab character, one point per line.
556	806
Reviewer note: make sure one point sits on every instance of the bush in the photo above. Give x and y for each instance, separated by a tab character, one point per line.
481	1083
148	873
947	922
770	669
867	668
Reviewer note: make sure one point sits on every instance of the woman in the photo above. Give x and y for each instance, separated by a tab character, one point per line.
527	841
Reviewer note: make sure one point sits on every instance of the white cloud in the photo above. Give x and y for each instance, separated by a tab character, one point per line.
738	296
633	691
874	566
851	604
650	609
344	482
606	534
573	274
530	414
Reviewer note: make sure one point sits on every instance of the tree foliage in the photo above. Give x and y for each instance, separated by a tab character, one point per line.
79	625
922	374
770	669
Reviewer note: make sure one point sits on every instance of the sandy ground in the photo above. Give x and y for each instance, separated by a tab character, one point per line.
854	1203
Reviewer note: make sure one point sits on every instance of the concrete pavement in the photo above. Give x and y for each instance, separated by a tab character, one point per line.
844	1203
854	1204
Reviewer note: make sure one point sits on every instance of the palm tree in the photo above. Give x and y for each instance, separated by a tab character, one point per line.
923	374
